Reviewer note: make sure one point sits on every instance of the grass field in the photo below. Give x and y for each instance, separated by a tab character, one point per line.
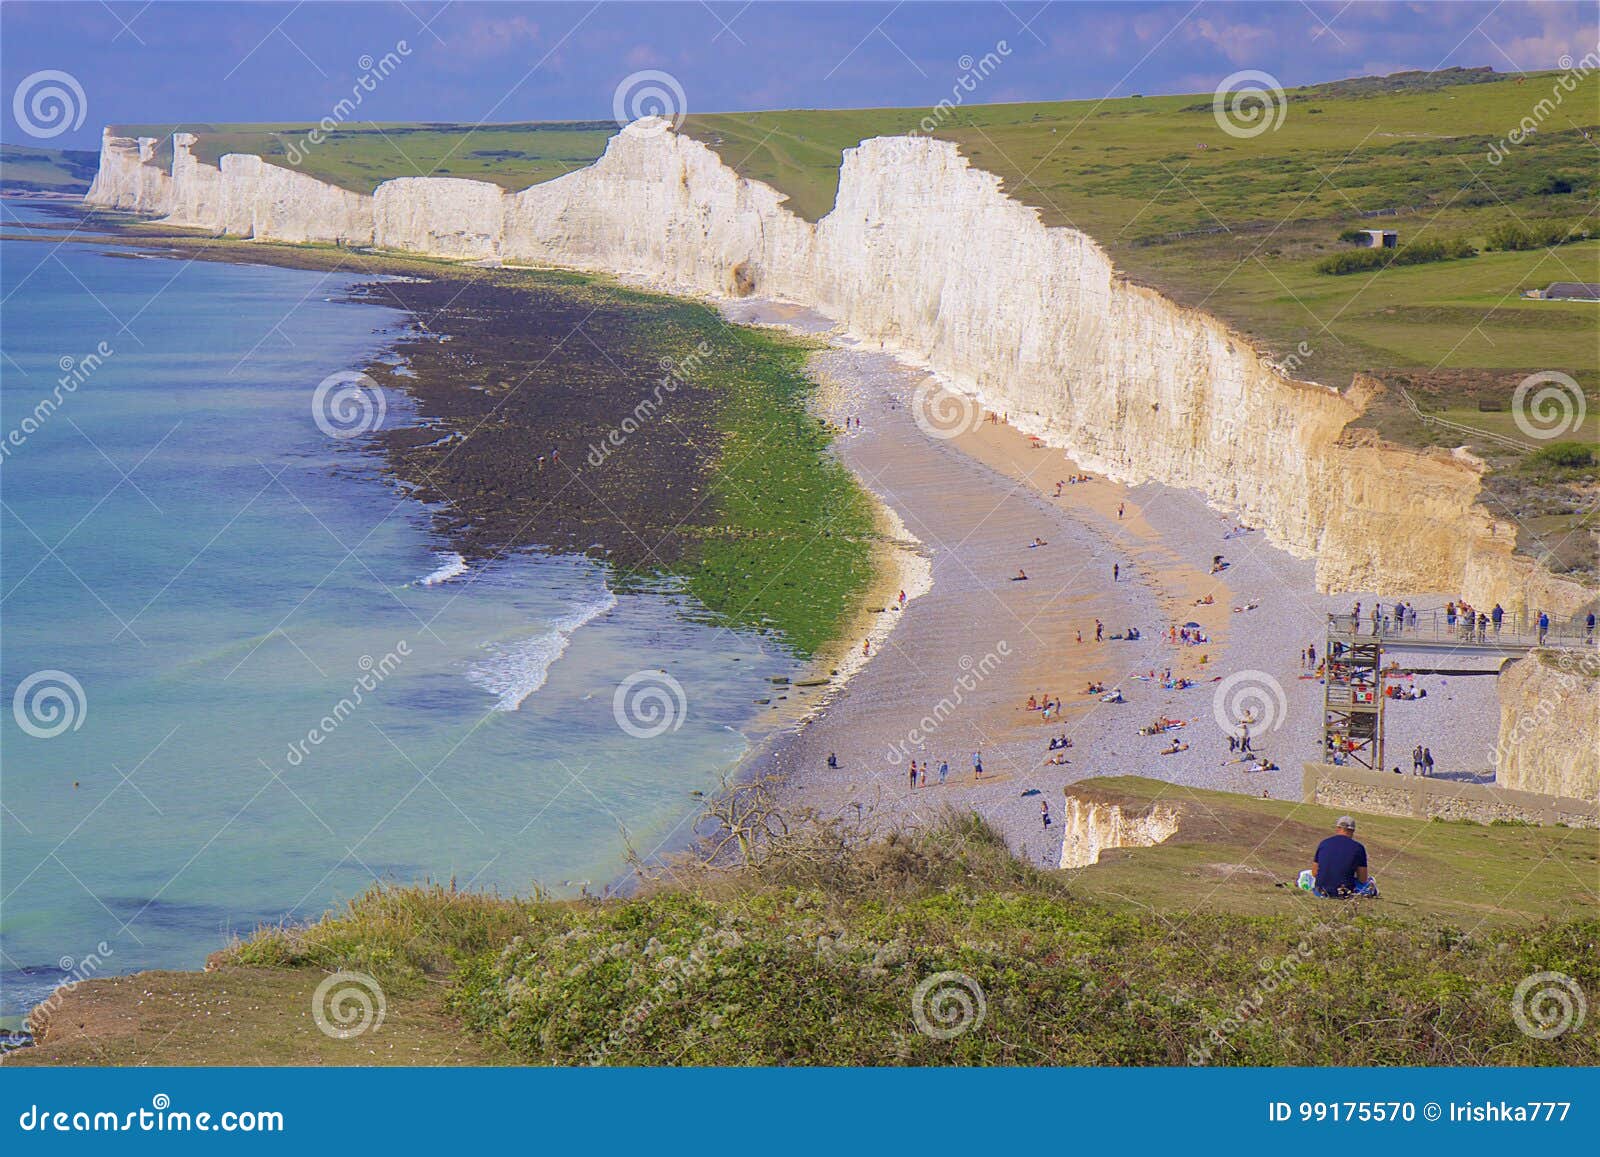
28	168
814	953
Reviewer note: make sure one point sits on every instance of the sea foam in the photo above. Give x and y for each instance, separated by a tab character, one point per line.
517	670
451	564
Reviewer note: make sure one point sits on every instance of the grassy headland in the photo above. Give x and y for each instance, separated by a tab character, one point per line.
814	953
35	169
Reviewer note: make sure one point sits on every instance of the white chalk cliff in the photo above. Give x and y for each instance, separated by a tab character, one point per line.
924	255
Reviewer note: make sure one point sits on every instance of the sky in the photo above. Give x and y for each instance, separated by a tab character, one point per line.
130	61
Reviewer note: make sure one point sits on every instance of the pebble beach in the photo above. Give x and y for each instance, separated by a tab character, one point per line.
951	674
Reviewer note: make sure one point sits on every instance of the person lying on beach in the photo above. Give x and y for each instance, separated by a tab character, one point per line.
1247	607
1057	761
1020	577
1037	542
1265	764
1205	602
1175	748
1060	743
1114	697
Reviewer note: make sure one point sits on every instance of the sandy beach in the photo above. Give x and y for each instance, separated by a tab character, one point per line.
951	674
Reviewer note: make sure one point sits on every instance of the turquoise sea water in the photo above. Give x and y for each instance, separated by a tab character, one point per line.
276	708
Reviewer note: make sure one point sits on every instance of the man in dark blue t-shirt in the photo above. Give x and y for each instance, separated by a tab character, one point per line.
1340	865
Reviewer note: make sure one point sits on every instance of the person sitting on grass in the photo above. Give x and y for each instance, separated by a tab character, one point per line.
1340	865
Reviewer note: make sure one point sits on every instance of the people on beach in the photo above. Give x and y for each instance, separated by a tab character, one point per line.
1037	542
1119	512
1044	812
1588	628
1544	627
1020	577
833	761
922	775
1116	571
1099	631
902	600
977	765
944	770
1427	762
913	775
866	647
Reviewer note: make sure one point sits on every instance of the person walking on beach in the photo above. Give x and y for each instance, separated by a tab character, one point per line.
1588	628
902	600
922	776
977	765
1427	763
913	775
1116	571
1416	760
944	770
1099	631
1044	813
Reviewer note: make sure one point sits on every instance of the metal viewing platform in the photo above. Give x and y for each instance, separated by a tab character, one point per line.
1353	691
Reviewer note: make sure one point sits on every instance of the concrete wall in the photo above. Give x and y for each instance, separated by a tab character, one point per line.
1383	793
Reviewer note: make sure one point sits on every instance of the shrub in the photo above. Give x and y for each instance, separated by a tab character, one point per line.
1417	253
1565	455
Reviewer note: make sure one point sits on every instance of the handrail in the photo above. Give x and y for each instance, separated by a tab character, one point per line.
1439	626
1434	420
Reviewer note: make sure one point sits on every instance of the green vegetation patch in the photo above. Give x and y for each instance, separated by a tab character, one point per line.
32	169
835	952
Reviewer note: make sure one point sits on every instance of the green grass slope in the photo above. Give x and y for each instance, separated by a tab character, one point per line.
827	951
33	169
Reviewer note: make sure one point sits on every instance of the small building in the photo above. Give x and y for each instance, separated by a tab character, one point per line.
1381	238
1570	291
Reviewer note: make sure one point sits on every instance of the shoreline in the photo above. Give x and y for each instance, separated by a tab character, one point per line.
1164	585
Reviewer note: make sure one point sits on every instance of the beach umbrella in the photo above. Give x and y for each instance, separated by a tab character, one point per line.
1191	624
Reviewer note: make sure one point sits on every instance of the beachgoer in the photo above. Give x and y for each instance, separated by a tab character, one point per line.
1588	628
1116	571
1099	631
944	769
1119	511
922	776
1544	627
1080	634
833	760
1427	762
1020	577
1339	867
1416	760
913	775
866	647
902	600
1044	811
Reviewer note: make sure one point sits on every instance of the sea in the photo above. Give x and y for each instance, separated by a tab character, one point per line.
243	682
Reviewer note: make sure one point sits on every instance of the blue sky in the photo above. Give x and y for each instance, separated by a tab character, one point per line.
512	61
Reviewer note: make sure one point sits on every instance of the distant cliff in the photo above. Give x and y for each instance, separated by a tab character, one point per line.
924	255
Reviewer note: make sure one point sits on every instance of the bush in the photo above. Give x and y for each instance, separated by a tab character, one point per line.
1417	253
1510	236
1565	455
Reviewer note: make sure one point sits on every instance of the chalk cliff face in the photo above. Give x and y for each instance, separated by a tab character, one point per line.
129	177
925	255
1549	723
1090	828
